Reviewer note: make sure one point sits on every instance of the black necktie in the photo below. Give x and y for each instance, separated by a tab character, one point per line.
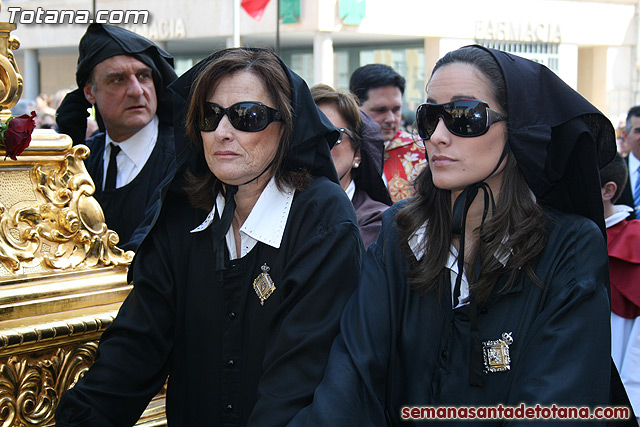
221	226
112	169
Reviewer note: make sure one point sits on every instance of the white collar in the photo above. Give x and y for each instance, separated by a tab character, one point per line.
351	190
620	212
266	221
136	147
415	243
416	246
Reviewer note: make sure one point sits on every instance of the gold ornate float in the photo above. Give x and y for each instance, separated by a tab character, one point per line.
62	276
62	279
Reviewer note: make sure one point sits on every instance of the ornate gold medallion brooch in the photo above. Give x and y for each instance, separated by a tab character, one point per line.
263	285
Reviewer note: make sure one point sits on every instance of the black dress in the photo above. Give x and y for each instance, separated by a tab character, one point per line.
230	360
398	348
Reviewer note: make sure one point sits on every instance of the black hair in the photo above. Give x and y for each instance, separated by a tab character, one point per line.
372	76
616	171
633	112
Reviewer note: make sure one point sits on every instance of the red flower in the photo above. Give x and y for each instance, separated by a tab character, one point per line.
17	135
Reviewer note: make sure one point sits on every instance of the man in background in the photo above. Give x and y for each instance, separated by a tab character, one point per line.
631	193
124	76
380	89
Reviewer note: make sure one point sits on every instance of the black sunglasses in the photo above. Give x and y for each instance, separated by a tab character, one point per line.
348	132
465	117
249	116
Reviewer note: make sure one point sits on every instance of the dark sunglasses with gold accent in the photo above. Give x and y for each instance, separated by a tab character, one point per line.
248	116
464	117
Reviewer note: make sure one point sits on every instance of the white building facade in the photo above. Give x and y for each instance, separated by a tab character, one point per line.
592	45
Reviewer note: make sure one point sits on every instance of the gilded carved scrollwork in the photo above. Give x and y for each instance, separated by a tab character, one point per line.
60	226
30	387
11	82
62	277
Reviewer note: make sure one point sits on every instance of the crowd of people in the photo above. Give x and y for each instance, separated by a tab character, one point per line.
301	259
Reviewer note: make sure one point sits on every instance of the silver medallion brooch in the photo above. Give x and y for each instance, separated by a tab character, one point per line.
496	354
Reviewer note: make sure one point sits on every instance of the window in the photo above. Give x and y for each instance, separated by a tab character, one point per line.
543	53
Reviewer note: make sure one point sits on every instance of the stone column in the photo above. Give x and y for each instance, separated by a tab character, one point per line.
431	55
322	59
592	75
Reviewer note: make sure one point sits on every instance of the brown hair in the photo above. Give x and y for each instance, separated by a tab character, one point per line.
347	105
518	224
267	67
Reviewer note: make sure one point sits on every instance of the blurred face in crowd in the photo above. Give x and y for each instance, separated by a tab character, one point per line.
384	105
122	88
632	136
344	156
623	146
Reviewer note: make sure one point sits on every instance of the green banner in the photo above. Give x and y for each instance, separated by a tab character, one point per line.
352	11
290	11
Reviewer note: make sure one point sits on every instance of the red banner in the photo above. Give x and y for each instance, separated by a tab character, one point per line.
255	8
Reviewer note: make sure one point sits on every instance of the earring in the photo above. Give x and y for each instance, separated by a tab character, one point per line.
356	164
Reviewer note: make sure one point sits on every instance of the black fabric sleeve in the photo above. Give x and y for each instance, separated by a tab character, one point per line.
134	353
352	392
562	360
156	198
321	276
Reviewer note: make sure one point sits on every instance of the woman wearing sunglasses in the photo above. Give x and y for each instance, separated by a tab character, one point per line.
239	287
490	286
358	158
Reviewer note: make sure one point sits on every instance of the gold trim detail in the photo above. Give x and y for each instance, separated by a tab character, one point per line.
11	82
30	387
47	332
64	228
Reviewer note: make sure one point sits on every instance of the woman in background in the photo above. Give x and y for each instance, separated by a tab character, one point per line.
358	158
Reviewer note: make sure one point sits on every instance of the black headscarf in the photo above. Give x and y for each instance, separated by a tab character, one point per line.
310	147
559	139
101	42
369	177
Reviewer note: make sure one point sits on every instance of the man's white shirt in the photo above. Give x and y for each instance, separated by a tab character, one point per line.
133	155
